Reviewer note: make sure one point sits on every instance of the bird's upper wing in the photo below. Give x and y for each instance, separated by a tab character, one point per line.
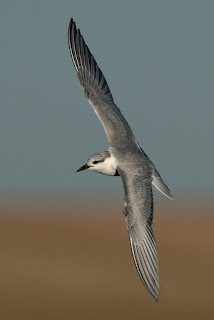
138	209
97	91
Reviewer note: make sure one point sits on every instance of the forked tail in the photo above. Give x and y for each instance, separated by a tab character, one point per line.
160	185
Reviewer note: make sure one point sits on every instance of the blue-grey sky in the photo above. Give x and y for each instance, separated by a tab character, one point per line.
157	57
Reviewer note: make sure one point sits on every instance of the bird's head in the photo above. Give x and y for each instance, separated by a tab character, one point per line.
100	162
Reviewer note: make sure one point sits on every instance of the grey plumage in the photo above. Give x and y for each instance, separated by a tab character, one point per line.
124	157
97	90
138	209
100	157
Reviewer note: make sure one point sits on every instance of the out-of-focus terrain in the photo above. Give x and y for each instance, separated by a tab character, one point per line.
67	261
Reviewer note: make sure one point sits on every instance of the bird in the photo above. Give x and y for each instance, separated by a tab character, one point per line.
124	158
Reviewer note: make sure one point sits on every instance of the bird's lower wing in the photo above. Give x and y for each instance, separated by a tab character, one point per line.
138	209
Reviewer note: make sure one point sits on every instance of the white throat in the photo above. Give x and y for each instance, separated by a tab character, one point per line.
107	167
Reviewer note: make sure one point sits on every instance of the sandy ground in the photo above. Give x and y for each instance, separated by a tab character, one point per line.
57	262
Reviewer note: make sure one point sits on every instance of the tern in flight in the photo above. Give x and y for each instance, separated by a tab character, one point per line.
124	158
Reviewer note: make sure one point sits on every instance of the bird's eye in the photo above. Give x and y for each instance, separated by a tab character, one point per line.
95	162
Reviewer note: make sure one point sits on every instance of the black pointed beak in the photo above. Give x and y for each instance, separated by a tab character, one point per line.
83	167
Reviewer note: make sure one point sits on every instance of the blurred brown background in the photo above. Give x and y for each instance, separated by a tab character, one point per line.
63	260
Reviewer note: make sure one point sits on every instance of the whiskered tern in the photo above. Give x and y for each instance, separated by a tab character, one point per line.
124	158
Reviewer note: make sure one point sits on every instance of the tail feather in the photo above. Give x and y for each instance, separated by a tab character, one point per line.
160	185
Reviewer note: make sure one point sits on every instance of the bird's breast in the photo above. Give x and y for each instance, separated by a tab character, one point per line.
109	166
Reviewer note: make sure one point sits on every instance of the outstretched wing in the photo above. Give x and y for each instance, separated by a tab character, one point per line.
97	90
138	209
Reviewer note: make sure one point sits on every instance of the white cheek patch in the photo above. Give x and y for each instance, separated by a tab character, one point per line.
109	166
